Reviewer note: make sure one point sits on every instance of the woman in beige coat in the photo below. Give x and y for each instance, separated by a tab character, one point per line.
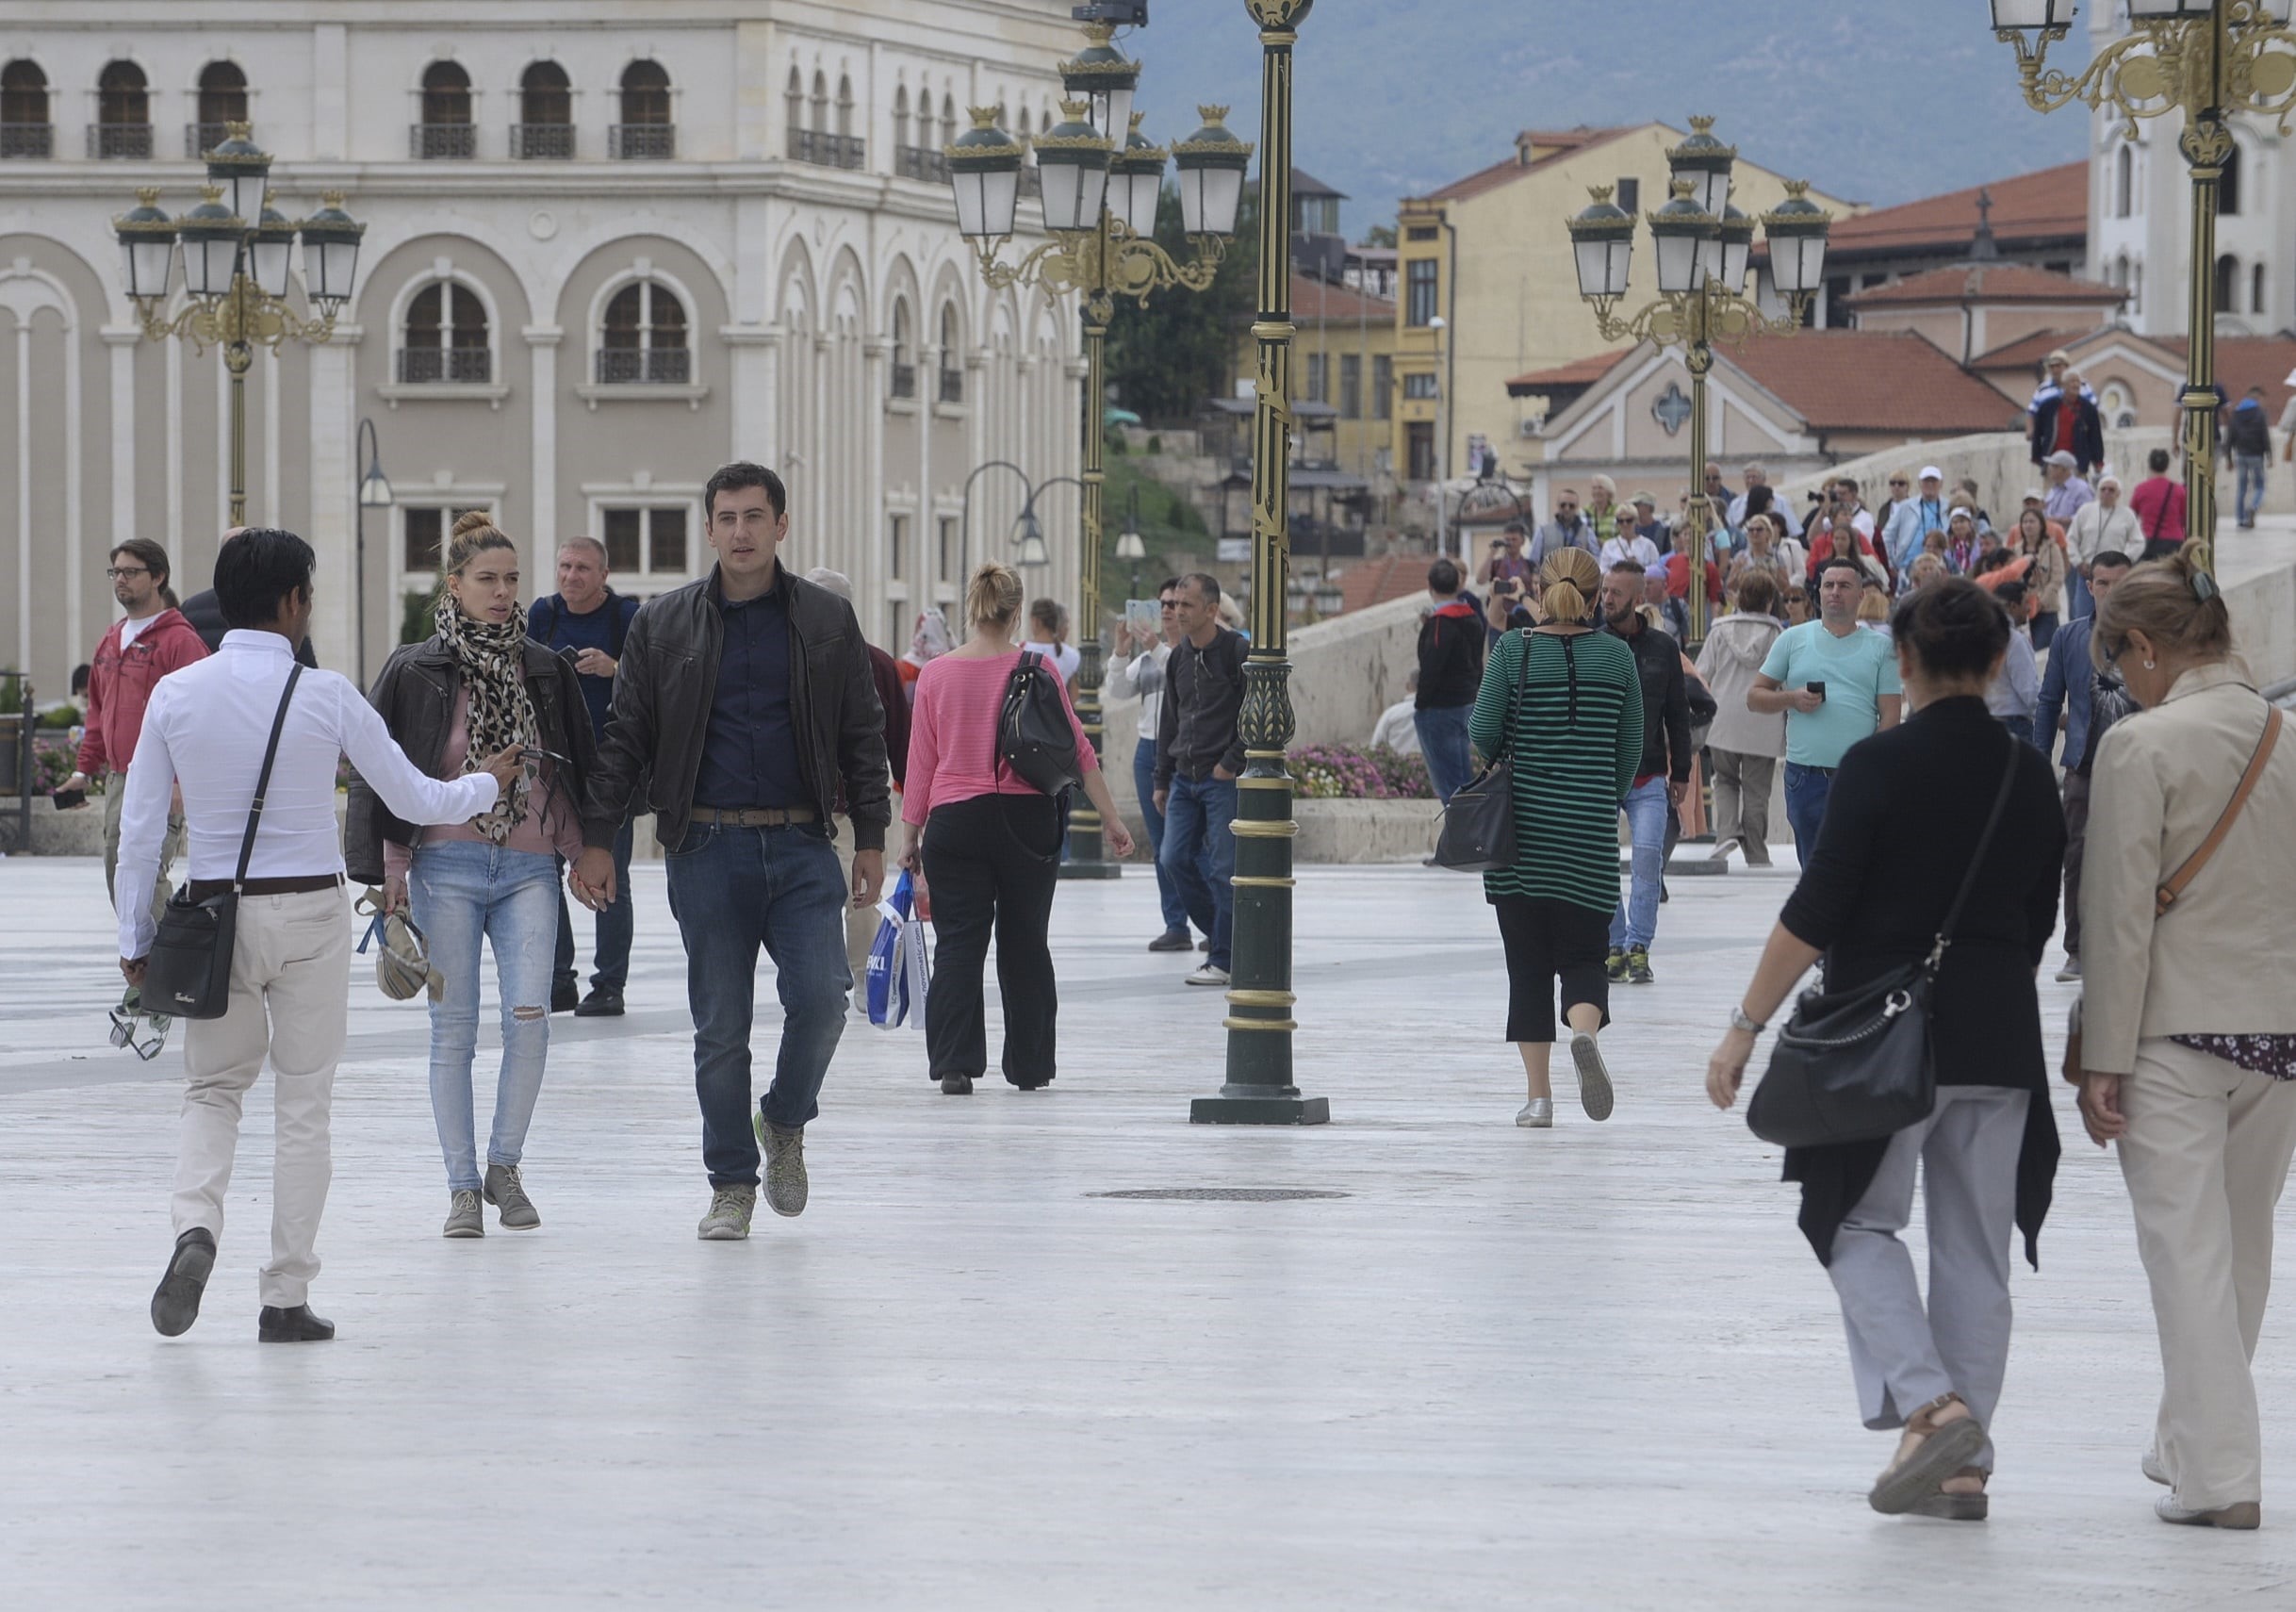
2188	1032
1745	745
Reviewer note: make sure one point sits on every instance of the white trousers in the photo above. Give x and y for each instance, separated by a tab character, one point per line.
1903	1352
291	977
2206	1155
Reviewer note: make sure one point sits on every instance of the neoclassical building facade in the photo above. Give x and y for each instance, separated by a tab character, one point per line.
610	244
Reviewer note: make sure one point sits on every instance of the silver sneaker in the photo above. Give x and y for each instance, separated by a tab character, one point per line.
785	1183
508	1193
1537	1114
462	1217
1594	1079
728	1218
2071	971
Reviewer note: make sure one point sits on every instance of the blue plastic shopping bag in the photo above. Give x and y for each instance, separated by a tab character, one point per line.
899	972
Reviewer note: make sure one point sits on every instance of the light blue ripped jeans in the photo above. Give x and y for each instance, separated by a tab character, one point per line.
462	891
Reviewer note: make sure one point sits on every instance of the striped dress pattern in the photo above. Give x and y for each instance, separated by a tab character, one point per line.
1577	739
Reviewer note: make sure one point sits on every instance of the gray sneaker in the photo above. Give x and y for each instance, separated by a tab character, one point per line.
785	1183
463	1218
508	1193
728	1218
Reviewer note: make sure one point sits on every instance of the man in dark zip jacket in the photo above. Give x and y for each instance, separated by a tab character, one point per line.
1451	675
1662	778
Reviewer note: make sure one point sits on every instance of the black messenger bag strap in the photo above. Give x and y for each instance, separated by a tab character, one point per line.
263	780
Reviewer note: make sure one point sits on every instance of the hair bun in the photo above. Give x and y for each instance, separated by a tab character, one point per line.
471	520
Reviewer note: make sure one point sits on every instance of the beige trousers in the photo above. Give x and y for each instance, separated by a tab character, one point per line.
2205	1156
115	792
290	980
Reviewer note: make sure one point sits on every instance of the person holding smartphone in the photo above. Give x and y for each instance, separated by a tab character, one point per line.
1835	684
476	686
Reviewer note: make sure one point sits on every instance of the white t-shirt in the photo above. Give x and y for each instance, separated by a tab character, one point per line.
1064	657
131	629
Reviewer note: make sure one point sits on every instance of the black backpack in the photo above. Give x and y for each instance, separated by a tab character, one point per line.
1034	737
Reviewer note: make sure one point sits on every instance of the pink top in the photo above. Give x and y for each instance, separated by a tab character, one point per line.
548	827
952	733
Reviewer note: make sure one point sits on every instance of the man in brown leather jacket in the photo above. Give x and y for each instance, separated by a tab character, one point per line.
748	703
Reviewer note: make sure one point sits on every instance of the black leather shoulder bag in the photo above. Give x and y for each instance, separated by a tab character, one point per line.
187	973
1857	1065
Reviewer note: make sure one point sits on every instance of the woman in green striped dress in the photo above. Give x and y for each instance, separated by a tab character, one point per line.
1565	704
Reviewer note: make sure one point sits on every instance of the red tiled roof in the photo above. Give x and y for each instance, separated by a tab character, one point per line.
1314	300
2052	204
1872	380
1377	581
1578	373
2245	361
1569	141
1988	283
2028	352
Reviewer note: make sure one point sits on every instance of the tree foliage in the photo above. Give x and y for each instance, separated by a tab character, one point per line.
1165	359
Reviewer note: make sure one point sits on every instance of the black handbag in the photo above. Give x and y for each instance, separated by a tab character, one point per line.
1857	1065
188	972
1477	831
1034	737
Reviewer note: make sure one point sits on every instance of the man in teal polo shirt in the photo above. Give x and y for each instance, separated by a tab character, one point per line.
1837	682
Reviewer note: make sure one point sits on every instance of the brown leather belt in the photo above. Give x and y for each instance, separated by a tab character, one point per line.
755	816
299	884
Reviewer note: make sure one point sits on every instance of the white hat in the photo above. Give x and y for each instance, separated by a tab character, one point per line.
2062	458
1932	473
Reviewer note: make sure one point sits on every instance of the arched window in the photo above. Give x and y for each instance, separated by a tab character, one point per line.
546	113
904	352
25	128
821	103
948	117
446	129
2228	186
2227	282
1023	123
123	113
2124	181
2136	290
644	341
446	337
795	97
845	106
952	359
900	115
2256	289
646	131
222	99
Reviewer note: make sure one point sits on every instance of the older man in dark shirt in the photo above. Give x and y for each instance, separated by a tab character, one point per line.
1199	755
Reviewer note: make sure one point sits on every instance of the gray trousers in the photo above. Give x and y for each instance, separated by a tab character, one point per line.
1902	1353
1742	801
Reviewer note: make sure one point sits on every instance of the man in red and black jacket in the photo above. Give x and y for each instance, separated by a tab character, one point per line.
1451	675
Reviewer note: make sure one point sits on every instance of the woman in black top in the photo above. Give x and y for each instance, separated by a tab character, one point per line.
1908	811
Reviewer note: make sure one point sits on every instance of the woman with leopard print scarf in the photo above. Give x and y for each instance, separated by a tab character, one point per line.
477	686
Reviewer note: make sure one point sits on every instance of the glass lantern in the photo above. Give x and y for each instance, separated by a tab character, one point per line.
1104	79
1074	161
242	170
211	234
1136	183
985	173
147	248
1602	241
1681	232
1211	162
1796	232
1704	163
271	255
330	250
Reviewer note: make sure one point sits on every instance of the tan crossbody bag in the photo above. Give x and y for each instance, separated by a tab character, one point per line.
2165	895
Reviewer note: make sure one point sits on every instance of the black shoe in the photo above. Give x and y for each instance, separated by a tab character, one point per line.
1614	967
1034	1082
565	995
1171	940
296	1325
175	1305
604	1002
1638	966
957	1085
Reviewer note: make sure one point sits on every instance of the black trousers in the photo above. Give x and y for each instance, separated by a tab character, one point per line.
993	863
1545	941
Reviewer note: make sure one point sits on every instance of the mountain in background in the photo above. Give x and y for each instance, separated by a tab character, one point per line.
1882	103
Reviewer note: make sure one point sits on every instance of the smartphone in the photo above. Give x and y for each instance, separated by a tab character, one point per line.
1144	615
1816	688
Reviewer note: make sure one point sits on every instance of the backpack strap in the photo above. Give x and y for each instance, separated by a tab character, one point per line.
2165	896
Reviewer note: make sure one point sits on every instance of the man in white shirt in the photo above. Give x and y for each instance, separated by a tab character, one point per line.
1141	675
1756	476
205	731
1630	544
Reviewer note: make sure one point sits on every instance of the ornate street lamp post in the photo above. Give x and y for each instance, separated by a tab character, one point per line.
2207	59
237	272
1704	247
1100	207
373	493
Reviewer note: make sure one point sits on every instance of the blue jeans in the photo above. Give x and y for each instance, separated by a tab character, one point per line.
1450	766
1167	887
1646	807
1199	851
460	892
1806	791
2021	728
2248	488
616	926
732	890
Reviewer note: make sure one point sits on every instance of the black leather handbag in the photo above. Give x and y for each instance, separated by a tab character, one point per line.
1856	1065
188	972
1477	831
1034	737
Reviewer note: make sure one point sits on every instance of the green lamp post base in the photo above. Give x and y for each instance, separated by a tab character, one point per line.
1259	1106
1092	870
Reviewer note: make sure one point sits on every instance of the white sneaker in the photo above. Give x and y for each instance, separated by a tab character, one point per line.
1210	974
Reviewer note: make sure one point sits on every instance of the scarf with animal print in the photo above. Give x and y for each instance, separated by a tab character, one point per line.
492	656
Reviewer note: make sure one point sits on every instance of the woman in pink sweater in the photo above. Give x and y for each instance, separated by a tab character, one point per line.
987	842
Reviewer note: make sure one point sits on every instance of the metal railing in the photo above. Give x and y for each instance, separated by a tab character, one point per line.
952	385
433	143
904	380
542	141
131	141
642	142
27	139
645	366
920	162
827	150
19	763
432	366
201	139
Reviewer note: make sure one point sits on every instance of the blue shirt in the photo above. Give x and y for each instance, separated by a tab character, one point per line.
548	621
1857	672
749	750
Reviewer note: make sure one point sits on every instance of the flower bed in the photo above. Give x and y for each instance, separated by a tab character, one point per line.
1345	772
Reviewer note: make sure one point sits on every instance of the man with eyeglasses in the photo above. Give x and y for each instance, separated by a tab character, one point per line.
1569	529
150	640
1142	676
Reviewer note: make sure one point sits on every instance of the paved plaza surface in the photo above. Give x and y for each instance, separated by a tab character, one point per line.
1595	1367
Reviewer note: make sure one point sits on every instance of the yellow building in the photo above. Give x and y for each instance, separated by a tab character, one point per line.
1344	354
1488	290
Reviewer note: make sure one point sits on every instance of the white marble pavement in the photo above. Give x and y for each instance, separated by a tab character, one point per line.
1589	1368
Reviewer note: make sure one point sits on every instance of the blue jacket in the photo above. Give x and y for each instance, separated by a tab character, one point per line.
2067	685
